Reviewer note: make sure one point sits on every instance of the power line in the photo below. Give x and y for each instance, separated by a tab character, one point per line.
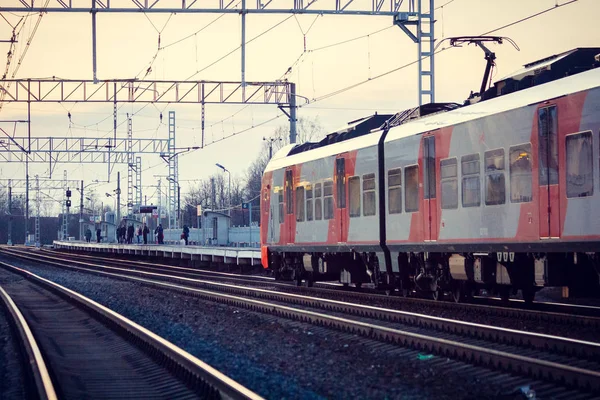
345	89
556	6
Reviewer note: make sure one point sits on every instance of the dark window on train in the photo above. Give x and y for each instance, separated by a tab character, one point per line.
281	206
411	182
580	165
395	191
318	202
340	182
369	207
520	173
471	189
328	200
309	203
548	143
495	177
288	192
300	204
429	163
449	183
354	195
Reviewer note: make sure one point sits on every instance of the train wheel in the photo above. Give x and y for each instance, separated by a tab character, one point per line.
358	285
457	293
505	294
528	294
434	295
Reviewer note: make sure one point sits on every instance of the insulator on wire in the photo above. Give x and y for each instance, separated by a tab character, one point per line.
69	115
160	116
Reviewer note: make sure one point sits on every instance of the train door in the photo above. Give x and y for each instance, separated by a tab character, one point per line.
290	218
549	204
340	194
429	189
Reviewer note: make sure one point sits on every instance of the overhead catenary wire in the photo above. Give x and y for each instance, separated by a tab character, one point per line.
357	84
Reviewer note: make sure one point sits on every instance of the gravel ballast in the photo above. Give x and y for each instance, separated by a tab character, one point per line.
279	358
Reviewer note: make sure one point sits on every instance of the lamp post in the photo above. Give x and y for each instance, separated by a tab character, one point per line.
229	174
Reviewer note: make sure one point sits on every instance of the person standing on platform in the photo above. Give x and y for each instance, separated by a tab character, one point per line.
130	232
159	234
186	234
98	235
88	235
145	233
139	233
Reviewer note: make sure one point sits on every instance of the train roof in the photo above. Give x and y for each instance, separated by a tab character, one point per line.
571	84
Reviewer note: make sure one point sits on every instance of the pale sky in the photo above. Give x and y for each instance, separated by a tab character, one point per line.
127	43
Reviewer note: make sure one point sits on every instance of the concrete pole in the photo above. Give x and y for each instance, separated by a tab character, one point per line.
293	118
26	199
81	213
118	220
9	213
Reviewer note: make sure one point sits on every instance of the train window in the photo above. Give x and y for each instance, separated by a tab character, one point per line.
395	191
354	195
328	199
548	145
495	179
318	202
580	165
281	206
369	207
411	182
429	164
471	190
300	204
309	203
449	183
520	173
288	192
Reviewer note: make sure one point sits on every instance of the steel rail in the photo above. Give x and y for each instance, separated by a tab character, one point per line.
212	382
542	369
36	365
567	346
566	319
570	316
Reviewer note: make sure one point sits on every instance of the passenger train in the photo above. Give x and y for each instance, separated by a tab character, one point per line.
502	192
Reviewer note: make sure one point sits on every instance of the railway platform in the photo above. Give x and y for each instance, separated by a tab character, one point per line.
196	255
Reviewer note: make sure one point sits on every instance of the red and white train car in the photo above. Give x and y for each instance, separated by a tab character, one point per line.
503	193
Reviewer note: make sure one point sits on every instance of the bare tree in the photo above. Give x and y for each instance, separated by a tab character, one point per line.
308	129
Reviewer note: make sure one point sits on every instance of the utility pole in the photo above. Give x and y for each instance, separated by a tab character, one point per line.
38	200
81	213
118	221
27	199
213	195
293	109
10	213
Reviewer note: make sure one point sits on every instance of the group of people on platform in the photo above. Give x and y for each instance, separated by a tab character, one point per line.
88	235
125	234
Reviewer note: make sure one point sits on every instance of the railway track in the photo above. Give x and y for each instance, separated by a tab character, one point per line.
77	348
587	318
562	361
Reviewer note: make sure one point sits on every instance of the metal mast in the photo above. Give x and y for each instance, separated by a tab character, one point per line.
64	206
38	200
130	168
138	181
173	174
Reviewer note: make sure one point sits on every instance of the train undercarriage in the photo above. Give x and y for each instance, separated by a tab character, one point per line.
455	275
